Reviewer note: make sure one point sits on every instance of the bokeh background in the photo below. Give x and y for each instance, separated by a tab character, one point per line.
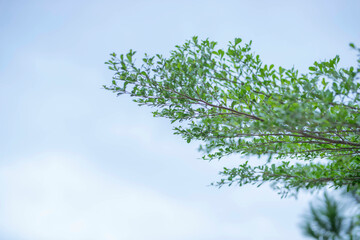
77	162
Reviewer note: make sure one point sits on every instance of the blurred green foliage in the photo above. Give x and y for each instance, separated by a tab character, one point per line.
334	219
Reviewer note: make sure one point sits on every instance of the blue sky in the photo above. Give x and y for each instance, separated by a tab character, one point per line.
77	162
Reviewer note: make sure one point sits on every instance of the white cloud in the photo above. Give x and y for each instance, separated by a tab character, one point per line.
57	197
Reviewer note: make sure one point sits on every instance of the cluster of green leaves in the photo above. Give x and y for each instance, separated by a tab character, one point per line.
234	103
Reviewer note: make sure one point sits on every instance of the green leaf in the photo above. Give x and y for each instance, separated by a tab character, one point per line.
237	41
